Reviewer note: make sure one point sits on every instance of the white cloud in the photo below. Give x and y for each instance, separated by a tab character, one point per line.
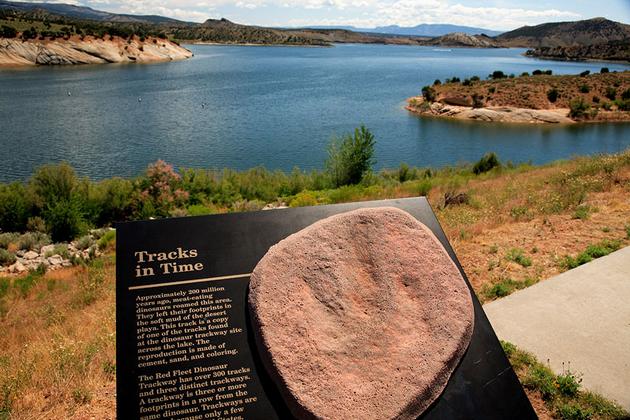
361	13
414	12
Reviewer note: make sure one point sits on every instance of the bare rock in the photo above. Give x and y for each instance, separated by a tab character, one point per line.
47	248
31	255
17	268
362	315
55	260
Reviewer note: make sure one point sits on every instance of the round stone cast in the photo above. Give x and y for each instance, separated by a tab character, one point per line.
362	315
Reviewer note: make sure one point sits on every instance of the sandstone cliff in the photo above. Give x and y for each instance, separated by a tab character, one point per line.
88	50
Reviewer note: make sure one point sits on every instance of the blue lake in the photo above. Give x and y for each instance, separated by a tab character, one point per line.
241	107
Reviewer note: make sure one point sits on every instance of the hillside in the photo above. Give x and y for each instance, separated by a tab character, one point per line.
84	13
540	98
57	329
460	39
566	34
88	50
225	32
610	51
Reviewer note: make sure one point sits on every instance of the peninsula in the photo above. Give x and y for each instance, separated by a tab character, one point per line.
537	98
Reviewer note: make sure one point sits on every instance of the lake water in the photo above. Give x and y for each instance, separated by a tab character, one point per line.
240	107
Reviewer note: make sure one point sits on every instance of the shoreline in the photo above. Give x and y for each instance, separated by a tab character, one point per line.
498	114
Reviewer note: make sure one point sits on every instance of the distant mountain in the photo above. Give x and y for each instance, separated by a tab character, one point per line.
567	34
86	13
422	30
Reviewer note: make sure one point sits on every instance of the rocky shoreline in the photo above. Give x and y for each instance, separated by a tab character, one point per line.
55	256
504	114
88	50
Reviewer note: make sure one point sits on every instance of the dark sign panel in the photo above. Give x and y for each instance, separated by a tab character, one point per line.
184	345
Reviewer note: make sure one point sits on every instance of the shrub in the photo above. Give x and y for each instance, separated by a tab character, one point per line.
579	108
516	255
428	93
303	199
424	187
492	89
84	242
541	378
454	80
590	253
568	384
571	411
486	163
108	238
623	105
15	207
466	82
474	79
351	157
52	183
6	257
525	74
552	95
65	220
596	99
585	73
109	201
477	101
59	249
604	70
36	224
582	212
625	95
33	241
548	72
7	32
498	74
585	89
611	93
8	238
437	82
403	173
537	72
607	106
200	210
160	191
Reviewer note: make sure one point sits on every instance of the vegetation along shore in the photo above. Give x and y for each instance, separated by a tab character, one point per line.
511	226
539	97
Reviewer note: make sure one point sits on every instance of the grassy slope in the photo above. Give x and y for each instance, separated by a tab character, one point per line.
57	332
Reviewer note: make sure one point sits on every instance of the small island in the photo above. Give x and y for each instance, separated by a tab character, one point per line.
540	97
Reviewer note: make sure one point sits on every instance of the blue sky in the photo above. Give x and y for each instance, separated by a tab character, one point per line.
491	14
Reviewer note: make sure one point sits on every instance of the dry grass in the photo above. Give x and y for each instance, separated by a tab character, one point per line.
58	346
57	337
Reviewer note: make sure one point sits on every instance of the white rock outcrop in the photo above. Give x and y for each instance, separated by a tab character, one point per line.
89	50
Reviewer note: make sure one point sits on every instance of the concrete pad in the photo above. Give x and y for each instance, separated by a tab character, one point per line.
580	317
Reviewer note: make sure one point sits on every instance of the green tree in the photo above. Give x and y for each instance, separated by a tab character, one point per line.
428	93
350	157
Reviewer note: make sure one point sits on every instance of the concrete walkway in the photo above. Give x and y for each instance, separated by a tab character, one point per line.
580	317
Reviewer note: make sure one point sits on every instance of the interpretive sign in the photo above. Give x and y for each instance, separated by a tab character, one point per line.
186	348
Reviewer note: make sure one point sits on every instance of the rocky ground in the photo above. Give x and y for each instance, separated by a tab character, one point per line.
49	256
88	50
